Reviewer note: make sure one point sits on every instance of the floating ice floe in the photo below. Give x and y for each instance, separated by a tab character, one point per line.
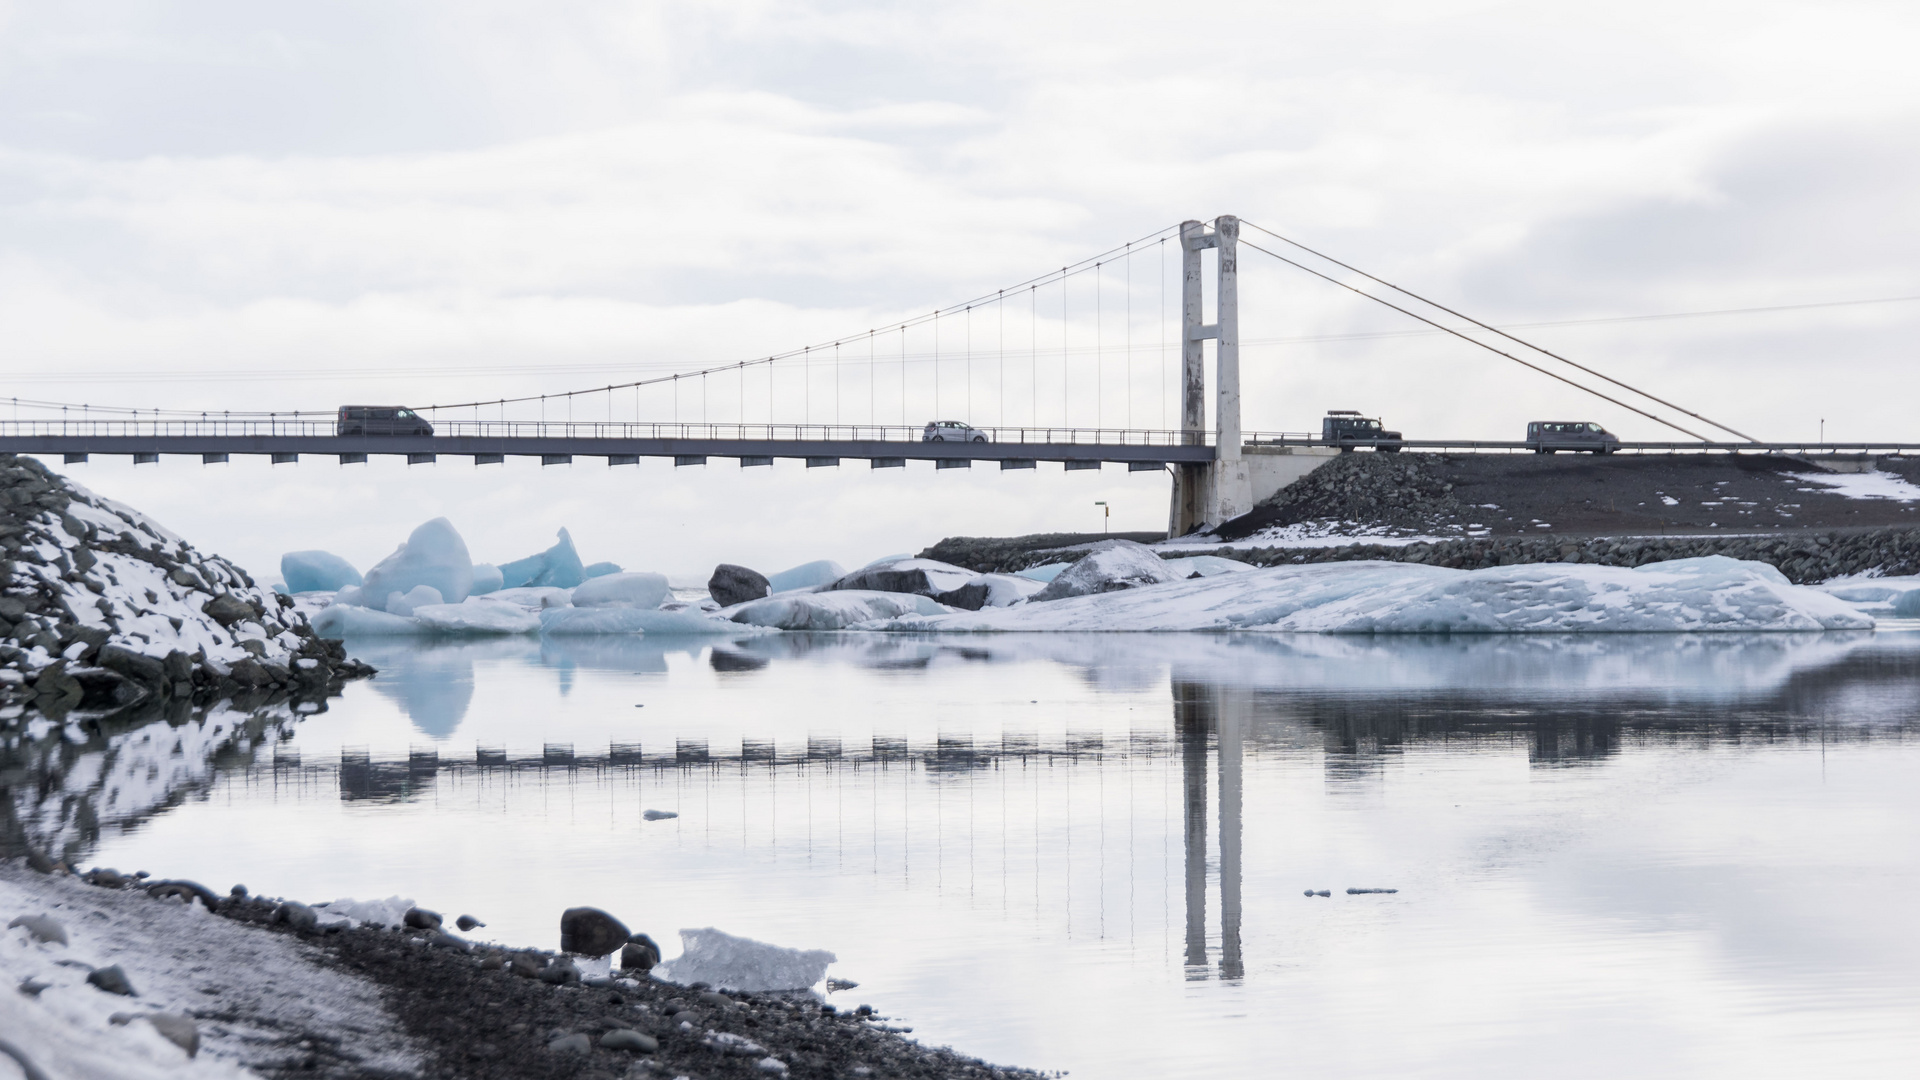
1710	593
487	579
1110	565
1898	597
727	962
434	555
837	610
558	566
317	571
478	615
806	576
625	590
566	621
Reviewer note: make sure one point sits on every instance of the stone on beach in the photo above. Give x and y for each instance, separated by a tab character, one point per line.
112	980
629	1039
590	931
732	585
467	922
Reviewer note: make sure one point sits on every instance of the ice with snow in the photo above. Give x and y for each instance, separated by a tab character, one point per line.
477	615
1713	593
558	566
806	576
629	590
577	621
317	571
1043	573
837	610
600	569
389	912
928	577
1109	566
1896	597
487	579
726	962
432	555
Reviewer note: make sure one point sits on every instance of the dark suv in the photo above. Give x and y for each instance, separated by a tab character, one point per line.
1346	429
1552	436
381	420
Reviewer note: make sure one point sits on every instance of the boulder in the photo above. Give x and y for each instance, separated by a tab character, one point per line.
422	919
639	954
467	922
188	891
629	1039
1112	565
136	666
227	609
591	932
112	980
732	585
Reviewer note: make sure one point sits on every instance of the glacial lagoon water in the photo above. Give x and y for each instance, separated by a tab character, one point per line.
1663	855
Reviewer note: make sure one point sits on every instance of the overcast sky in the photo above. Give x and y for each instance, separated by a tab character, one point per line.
248	206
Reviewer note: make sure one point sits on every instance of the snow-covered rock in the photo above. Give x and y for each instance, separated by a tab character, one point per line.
1713	593
991	590
806	576
317	571
433	555
558	566
1110	566
831	610
630	590
727	962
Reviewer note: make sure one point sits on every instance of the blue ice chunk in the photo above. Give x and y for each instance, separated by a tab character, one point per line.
486	579
317	571
806	576
434	555
601	569
558	566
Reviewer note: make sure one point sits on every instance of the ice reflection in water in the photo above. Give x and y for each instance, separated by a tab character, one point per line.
1088	852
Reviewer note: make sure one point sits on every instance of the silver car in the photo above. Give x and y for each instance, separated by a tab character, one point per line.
952	431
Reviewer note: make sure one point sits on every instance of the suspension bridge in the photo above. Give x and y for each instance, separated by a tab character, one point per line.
1102	362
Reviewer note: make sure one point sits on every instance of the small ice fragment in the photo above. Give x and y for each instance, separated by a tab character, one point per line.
660	815
1357	892
403	604
736	963
317	571
628	590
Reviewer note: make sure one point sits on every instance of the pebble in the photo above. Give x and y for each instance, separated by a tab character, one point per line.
771	1065
41	928
238	891
298	915
112	980
467	922
639	955
422	919
571	1044
1322	892
714	997
629	1039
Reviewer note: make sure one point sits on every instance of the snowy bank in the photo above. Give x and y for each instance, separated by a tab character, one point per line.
1712	593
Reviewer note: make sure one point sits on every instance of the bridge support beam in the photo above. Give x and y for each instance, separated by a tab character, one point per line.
1213	493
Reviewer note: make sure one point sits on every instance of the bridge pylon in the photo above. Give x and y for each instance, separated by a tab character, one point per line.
1208	494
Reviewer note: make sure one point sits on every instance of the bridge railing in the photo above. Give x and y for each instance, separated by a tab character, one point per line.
291	426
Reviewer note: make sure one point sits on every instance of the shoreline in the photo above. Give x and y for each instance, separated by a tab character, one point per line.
260	991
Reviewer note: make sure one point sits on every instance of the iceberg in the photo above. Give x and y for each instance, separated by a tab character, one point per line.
416	597
600	569
558	566
727	962
1898	597
534	597
1206	566
433	555
928	577
806	576
344	620
577	621
1109	566
1045	572
633	590
486	579
837	610
1712	593
317	571
477	616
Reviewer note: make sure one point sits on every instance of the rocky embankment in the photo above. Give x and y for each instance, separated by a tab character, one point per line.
1009	554
1803	558
103	610
401	994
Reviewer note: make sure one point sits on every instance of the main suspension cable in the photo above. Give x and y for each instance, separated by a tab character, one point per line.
1502	333
1523	363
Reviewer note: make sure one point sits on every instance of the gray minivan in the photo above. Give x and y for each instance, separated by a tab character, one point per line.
381	420
1553	436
